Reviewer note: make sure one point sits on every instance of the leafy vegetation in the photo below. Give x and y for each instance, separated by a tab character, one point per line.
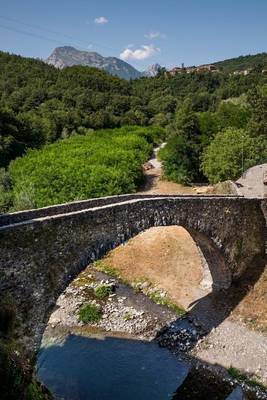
157	297
103	291
101	266
89	313
97	164
243	63
40	105
17	380
16	372
230	153
217	145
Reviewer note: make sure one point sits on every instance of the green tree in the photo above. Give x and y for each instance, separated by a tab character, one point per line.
223	159
230	114
10	146
181	155
258	101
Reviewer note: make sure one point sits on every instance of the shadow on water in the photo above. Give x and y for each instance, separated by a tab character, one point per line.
111	368
83	368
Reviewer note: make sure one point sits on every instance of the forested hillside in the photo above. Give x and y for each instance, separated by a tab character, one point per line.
210	121
256	61
40	104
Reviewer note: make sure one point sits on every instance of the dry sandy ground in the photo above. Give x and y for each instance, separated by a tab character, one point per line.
165	256
156	185
252	310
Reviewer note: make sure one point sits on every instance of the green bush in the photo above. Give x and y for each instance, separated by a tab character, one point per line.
5	191
223	159
181	154
103	291
89	313
102	163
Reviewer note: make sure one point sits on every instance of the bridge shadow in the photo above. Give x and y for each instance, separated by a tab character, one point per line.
129	369
212	309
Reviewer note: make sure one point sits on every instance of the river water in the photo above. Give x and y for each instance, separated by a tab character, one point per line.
81	368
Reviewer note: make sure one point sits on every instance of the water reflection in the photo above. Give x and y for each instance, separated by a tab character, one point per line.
84	368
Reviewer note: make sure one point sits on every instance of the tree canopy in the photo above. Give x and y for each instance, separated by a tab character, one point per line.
67	130
230	153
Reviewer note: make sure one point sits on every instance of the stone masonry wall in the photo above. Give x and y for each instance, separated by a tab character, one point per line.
39	257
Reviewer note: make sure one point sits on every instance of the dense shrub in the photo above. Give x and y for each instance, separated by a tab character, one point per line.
230	152
89	313
102	163
5	190
182	153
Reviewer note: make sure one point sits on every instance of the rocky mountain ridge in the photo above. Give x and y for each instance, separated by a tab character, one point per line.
68	56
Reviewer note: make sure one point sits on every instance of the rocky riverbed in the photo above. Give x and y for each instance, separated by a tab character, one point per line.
124	311
127	312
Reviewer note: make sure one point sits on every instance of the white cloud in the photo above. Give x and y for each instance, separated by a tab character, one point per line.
101	20
144	52
154	35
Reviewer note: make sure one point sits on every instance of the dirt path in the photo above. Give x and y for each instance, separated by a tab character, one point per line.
156	184
233	344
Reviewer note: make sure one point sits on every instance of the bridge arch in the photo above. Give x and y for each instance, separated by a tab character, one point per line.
42	251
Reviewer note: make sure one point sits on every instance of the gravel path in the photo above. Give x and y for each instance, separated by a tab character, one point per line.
233	344
154	160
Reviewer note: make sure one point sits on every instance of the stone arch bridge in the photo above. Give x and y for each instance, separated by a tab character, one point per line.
43	250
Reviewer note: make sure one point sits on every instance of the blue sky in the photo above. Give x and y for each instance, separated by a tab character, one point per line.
141	32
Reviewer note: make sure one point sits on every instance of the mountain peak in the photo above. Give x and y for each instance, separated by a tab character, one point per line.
67	56
152	71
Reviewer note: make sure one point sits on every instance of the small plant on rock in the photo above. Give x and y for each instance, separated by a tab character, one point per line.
127	317
103	291
89	313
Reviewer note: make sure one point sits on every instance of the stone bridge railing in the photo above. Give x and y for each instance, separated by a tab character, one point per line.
43	250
